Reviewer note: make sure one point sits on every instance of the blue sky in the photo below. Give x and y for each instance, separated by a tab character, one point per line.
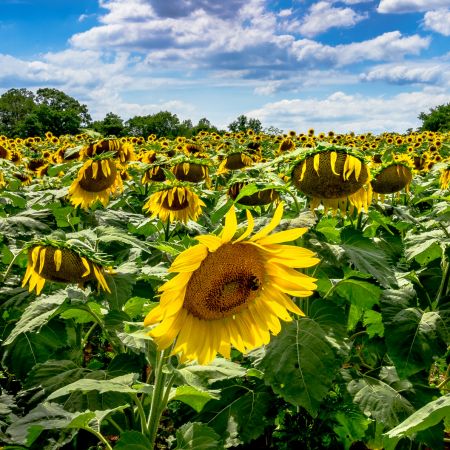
348	65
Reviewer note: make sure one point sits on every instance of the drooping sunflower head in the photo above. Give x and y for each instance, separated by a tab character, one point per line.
192	170
334	177
231	292
174	203
261	197
5	152
119	149
97	180
55	261
234	161
390	179
444	179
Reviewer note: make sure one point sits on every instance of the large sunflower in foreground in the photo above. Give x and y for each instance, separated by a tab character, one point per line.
96	180
231	292
54	262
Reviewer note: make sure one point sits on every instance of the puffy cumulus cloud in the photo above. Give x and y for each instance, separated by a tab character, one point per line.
323	15
388	46
343	112
406	6
438	21
200	27
426	72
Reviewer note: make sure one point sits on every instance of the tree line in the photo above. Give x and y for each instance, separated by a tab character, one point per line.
24	114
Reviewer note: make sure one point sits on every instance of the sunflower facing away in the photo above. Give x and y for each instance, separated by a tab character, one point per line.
175	203
96	180
231	292
52	263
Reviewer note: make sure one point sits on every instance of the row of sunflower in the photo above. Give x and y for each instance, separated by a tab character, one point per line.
235	287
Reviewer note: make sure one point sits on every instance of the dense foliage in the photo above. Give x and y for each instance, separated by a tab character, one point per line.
368	365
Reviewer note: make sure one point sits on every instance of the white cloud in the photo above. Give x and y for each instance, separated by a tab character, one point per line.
428	72
343	112
406	6
388	46
438	21
322	16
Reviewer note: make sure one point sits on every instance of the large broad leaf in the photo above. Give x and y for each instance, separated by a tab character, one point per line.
191	396
301	362
367	257
424	247
132	440
351	427
197	436
380	401
359	293
122	384
239	416
412	336
424	418
37	314
202	377
52	375
29	349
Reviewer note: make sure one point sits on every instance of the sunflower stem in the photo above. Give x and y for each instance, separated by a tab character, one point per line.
142	416
156	406
11	264
167	231
99	436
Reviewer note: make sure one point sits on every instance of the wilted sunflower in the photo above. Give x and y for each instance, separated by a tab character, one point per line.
261	197
192	171
231	292
61	264
444	179
234	161
174	203
333	177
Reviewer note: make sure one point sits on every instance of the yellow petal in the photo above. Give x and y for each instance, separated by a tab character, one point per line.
86	266
249	230
94	170
42	259
57	257
283	236
316	162
302	175
272	225
230	225
333	157
210	241
190	259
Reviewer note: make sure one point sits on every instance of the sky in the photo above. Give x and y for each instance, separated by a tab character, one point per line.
348	65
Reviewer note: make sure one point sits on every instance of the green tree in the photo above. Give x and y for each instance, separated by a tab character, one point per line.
244	123
15	105
60	113
204	125
163	124
438	119
111	125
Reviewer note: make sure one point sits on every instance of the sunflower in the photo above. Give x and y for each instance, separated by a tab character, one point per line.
390	179
234	161
261	197
191	171
231	292
96	180
444	179
334	177
61	264
174	203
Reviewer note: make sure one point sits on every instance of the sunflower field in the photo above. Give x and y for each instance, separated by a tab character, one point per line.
237	290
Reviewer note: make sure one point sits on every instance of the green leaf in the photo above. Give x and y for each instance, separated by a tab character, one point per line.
132	440
352	426
379	401
373	321
301	362
46	416
239	416
359	293
367	257
37	314
412	337
111	234
220	211
118	384
197	436
192	397
202	377
52	375
424	418
424	247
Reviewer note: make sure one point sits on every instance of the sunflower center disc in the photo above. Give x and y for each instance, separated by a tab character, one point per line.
101	181
226	281
175	205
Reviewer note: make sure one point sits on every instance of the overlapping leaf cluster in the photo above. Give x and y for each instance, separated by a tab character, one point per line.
368	364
